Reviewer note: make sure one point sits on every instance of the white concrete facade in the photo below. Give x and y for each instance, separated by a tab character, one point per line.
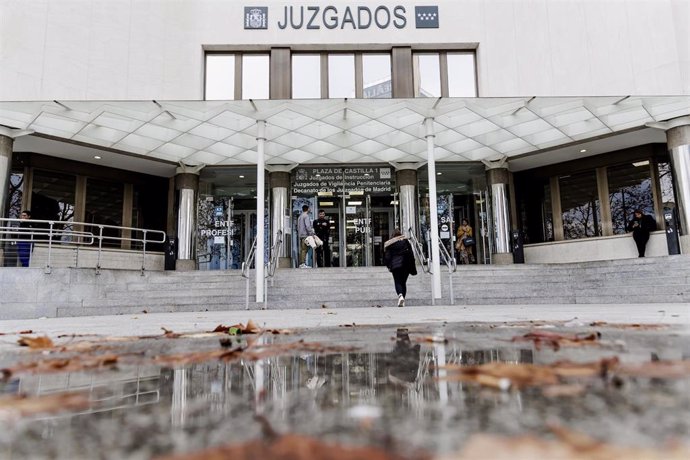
153	49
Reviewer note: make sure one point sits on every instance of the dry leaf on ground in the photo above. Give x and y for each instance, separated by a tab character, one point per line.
510	375
72	364
35	342
16	406
557	341
293	447
573	447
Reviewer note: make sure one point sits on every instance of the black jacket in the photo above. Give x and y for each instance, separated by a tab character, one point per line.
642	226
398	255
322	229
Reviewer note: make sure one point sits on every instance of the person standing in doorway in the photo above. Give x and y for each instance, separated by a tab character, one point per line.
465	242
641	225
25	247
322	227
399	259
305	228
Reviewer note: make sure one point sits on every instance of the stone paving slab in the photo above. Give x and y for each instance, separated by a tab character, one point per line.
151	323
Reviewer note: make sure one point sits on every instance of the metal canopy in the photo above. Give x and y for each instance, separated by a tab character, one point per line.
339	130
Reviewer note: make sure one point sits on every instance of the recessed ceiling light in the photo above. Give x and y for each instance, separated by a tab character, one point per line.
439	173
96	157
583	150
641	163
317	175
241	176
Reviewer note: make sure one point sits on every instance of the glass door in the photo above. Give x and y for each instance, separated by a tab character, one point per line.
357	230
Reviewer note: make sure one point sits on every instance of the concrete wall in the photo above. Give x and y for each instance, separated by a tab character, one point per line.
152	49
587	249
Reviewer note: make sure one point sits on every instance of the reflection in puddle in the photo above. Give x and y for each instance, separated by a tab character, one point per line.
396	396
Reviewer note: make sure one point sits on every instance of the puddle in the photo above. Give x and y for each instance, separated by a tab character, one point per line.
396	389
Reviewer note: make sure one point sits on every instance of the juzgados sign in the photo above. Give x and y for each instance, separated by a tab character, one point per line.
318	17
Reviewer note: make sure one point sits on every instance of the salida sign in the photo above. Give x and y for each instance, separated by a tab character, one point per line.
316	17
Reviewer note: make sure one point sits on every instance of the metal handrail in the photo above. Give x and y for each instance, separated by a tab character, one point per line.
50	232
452	267
247	263
275	254
418	250
447	258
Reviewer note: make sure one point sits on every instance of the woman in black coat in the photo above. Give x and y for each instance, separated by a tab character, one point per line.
399	259
640	225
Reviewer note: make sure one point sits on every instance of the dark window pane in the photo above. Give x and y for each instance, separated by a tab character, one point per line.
104	206
580	205
52	198
630	187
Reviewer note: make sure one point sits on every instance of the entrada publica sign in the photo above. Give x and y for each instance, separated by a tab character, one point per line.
331	17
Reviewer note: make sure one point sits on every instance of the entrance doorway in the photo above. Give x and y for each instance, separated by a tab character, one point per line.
225	233
359	225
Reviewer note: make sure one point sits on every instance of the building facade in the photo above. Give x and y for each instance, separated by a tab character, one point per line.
543	123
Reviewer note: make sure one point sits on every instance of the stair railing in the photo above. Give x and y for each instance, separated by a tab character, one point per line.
425	262
246	264
418	250
452	267
273	262
72	235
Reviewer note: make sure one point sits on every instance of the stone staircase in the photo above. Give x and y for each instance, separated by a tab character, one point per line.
30	293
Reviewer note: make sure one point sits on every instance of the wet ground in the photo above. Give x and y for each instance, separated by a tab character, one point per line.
410	391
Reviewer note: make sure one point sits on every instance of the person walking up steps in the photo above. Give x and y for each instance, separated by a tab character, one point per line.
399	259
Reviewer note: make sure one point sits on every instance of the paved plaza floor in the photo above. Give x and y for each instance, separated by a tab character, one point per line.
151	323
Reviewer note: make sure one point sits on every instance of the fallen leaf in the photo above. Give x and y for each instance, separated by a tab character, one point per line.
16	406
556	341
170	334
35	342
294	447
75	363
573	447
503	376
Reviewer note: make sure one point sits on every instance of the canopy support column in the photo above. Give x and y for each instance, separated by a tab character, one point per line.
260	198
433	209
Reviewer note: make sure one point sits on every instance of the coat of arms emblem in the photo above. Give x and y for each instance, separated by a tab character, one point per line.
256	17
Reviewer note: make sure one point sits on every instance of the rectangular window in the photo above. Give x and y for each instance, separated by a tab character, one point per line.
376	73
462	75
53	198
630	187
306	76
104	201
220	77
580	205
255	76
427	75
341	75
16	194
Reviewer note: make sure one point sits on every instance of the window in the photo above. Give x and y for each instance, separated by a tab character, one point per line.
462	80
434	74
220	77
376	73
255	76
104	201
53	197
630	187
306	76
341	75
580	205
427	75
16	194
